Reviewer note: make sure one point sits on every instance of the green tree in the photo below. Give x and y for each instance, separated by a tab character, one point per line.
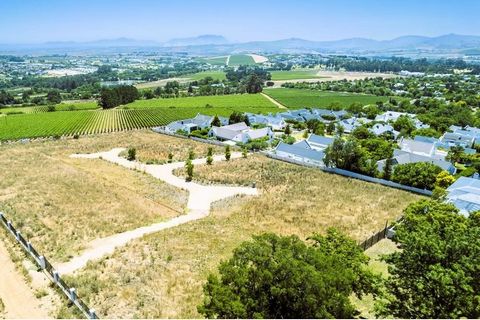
170	157
455	154
131	154
244	152
437	273
228	153
189	168
421	175
210	155
444	180
404	124
54	96
216	122
387	170
282	277
191	154
288	130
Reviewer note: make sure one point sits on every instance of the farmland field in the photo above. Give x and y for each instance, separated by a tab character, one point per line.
170	266
301	98
216	75
50	124
216	61
226	101
241	59
294	75
66	106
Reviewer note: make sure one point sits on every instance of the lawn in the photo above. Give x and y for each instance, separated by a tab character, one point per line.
161	275
237	101
294	75
303	98
61	203
241	59
216	75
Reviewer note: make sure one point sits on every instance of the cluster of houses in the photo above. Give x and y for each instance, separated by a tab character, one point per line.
229	133
464	193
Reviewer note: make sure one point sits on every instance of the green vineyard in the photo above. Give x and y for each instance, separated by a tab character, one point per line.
71	123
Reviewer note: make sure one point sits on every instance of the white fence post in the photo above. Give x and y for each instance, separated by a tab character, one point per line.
41	261
73	294
55	276
92	314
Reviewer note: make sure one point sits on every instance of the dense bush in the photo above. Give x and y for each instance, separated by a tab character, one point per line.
419	175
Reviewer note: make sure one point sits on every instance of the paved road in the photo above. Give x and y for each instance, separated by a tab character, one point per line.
17	296
198	206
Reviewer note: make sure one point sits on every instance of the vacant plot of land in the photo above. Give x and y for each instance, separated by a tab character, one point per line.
295	75
236	101
161	275
241	59
61	203
302	98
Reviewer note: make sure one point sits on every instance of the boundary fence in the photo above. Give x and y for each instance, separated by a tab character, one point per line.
46	266
387	232
350	174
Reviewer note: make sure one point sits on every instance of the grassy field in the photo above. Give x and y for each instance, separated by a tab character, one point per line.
299	98
228	101
61	203
294	75
65	106
161	275
241	59
216	75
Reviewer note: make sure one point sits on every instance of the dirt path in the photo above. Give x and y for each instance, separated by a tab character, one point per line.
199	201
275	102
17	296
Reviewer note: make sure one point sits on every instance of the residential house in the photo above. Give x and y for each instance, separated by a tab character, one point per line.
239	133
319	143
422	148
380	128
404	157
276	122
199	122
465	195
299	152
392	116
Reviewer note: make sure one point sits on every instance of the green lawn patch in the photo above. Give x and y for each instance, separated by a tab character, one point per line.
303	98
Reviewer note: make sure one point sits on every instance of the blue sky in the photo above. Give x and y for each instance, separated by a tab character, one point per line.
34	21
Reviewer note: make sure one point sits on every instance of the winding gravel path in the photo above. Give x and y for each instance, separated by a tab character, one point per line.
199	201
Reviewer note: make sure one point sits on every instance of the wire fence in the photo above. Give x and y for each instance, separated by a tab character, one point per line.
47	267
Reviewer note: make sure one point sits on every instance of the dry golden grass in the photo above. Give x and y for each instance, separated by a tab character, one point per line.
161	275
61	203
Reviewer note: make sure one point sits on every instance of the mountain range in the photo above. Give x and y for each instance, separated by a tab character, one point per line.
217	44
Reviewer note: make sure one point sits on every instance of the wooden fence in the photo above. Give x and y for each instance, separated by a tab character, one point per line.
46	266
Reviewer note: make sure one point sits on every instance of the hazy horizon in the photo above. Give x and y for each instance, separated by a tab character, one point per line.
29	21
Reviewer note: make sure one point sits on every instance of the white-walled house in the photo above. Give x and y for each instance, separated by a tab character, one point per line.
199	122
239	133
